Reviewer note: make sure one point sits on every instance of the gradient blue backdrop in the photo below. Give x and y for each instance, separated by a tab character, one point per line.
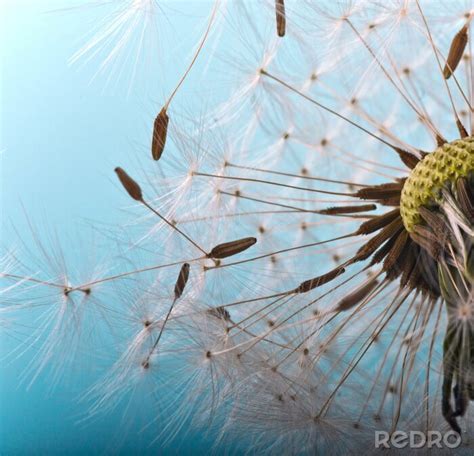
61	136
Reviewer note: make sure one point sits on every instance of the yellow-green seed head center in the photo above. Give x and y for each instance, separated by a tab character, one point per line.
446	164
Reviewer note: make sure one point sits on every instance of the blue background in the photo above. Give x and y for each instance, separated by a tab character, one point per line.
62	133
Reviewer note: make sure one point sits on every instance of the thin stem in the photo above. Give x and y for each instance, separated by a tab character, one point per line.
430	39
287	206
161	329
386	73
198	51
152	209
279	173
260	181
335	113
31	279
280	251
135	271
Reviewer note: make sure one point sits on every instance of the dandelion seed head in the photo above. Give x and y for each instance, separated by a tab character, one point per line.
448	163
323	207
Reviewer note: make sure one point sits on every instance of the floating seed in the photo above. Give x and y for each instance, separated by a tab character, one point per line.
129	184
160	130
231	248
182	280
456	51
280	17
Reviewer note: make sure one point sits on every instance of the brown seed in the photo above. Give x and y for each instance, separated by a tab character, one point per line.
160	130
462	129
408	266
310	284
181	281
378	222
375	242
380	192
357	296
407	158
394	201
456	51
383	251
428	241
129	184
231	248
280	17
466	198
434	221
401	263
440	140
415	279
396	250
219	312
348	209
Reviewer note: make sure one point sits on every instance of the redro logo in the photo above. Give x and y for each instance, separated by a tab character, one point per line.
417	439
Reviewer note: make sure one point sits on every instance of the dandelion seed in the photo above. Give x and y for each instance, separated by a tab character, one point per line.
160	125
348	209
458	45
133	189
354	298
280	17
160	130
341	151
182	280
231	248
178	291
311	284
